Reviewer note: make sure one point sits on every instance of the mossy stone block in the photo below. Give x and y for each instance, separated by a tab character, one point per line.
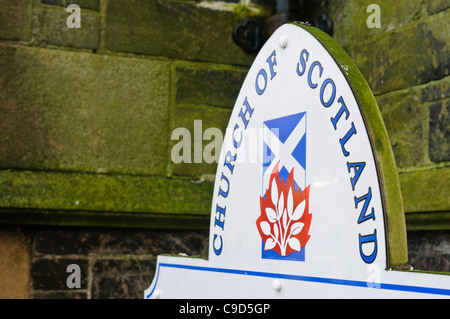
415	54
76	192
435	6
416	119
436	90
51	28
439	138
428	221
350	18
54	2
175	29
200	84
206	117
426	190
88	4
406	123
75	111
15	19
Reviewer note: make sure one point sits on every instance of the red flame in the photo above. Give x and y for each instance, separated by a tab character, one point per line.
285	220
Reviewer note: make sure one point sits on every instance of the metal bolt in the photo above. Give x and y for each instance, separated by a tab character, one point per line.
282	42
276	284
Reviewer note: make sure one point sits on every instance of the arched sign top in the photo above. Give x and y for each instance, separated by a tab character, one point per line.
306	193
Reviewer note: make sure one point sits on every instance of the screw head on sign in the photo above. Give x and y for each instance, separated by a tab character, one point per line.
282	42
276	284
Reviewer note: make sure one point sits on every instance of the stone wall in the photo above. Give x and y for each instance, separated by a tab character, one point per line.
86	175
88	113
86	121
114	263
406	63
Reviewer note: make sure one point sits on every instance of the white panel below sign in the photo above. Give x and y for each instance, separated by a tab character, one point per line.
177	278
297	198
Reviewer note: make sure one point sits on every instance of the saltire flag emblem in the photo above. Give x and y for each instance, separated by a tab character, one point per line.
285	219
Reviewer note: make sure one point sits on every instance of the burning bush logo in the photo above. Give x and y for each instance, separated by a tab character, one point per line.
285	220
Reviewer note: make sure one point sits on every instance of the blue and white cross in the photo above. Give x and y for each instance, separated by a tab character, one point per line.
284	140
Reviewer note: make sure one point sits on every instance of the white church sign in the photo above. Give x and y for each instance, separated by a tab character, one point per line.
306	201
